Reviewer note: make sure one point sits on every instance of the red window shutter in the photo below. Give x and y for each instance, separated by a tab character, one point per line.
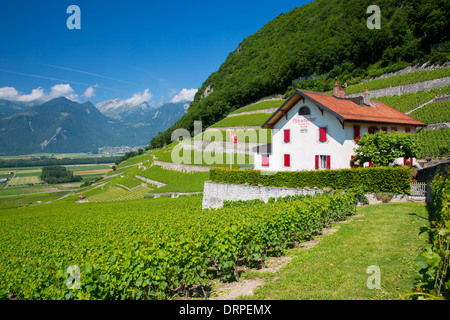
265	161
287	135
356	132
384	129
322	134
328	162
370	130
352	163
370	163
411	160
287	160
407	130
317	161
404	161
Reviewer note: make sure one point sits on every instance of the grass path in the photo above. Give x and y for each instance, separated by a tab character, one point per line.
383	235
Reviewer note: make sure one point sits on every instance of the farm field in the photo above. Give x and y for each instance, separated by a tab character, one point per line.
116	188
201	158
114	243
252	135
176	181
246	120
436	142
134	160
116	193
15	201
436	112
26	180
409	101
260	106
402	79
56	155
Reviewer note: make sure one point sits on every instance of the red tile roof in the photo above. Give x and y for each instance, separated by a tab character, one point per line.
345	110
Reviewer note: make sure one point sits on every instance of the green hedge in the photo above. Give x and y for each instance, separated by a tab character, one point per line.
390	179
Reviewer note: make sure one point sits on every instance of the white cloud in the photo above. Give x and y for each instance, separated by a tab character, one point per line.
8	93
39	95
11	94
62	90
185	95
138	98
89	93
35	95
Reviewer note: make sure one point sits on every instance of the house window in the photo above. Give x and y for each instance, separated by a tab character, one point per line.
407	130
287	135
287	160
384	129
265	161
394	129
323	134
373	130
323	162
356	133
304	111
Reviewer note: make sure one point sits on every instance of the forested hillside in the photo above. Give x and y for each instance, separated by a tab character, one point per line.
328	38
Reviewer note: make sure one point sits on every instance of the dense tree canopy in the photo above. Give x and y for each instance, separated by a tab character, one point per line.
58	174
325	37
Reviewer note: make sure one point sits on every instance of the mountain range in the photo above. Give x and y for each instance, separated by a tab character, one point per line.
64	126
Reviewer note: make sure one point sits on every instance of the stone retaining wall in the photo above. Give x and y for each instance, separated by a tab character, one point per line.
215	193
407	88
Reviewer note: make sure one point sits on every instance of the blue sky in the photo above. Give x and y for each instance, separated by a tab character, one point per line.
130	50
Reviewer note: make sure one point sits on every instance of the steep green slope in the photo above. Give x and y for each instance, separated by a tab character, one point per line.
325	36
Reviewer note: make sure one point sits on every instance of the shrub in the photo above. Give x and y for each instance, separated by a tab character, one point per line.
433	262
390	179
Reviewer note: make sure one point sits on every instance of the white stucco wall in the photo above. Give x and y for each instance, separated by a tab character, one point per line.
305	144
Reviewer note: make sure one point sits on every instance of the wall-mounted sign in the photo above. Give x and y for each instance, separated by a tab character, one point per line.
304	122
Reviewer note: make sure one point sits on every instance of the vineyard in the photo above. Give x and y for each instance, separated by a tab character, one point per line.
436	112
398	80
246	120
248	136
409	101
203	158
117	193
149	249
260	106
435	143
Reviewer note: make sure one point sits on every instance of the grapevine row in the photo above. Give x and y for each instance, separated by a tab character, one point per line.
149	249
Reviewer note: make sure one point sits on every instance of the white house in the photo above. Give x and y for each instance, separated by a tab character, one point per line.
313	131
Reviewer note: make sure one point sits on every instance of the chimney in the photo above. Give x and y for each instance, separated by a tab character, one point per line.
366	97
338	91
